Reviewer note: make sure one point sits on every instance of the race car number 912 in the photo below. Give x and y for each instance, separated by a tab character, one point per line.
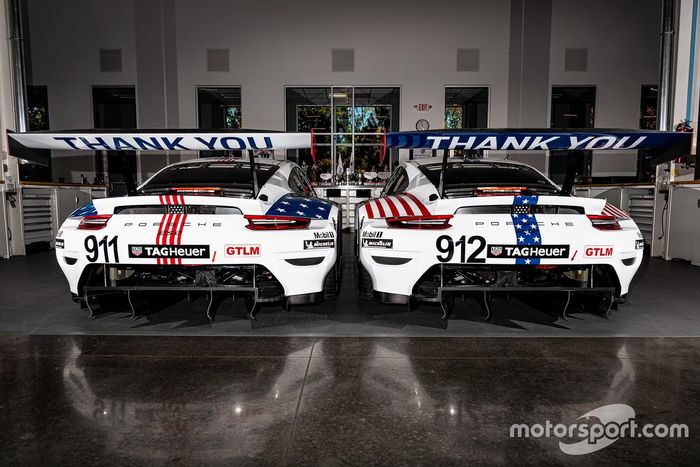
93	246
447	246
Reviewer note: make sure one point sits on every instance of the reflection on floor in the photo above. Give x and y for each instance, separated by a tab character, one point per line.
335	401
663	302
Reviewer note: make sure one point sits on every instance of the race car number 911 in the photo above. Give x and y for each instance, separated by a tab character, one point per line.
447	246
93	247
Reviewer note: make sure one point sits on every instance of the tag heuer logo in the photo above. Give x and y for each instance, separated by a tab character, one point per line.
496	250
137	250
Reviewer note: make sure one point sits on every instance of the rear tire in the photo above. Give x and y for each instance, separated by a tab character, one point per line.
330	285
364	281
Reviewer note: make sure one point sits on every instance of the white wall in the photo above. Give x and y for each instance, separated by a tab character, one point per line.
65	39
274	44
410	44
622	38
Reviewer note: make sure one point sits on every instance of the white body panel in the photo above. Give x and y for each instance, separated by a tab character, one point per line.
227	239
585	245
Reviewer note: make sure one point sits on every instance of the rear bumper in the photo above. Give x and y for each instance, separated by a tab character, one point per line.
444	279
300	277
398	261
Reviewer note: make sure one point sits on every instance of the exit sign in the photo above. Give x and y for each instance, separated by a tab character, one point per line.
422	107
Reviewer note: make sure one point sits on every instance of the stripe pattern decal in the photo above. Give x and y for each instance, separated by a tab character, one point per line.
610	210
527	232
398	205
171	225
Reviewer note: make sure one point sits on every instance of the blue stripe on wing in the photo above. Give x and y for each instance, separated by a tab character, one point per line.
300	206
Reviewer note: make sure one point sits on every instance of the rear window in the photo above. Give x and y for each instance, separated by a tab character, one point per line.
464	176
233	178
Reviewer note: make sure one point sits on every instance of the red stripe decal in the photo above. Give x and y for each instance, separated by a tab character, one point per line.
423	210
406	206
380	208
182	199
368	207
179	234
173	229
173	233
392	206
173	236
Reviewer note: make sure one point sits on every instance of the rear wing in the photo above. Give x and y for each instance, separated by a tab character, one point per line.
659	146
22	144
32	146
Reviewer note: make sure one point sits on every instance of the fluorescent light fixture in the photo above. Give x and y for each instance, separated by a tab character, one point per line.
340	95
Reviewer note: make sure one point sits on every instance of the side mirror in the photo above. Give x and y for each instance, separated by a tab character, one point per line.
433	197
263	197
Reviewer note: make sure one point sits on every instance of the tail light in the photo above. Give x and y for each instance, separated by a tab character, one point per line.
603	222
94	222
204	191
499	190
546	267
420	222
276	222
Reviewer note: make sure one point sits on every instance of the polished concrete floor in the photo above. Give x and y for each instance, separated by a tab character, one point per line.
664	301
335	401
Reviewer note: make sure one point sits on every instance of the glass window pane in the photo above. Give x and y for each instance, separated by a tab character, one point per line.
322	165
369	139
343	139
372	119
353	120
466	107
314	117
454	116
573	107
322	139
647	112
367	158
343	161
219	108
343	119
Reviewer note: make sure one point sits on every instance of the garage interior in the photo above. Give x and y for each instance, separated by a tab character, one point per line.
350	381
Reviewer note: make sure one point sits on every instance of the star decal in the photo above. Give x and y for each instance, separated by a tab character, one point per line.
300	213
280	210
535	239
518	226
527	261
521	239
303	205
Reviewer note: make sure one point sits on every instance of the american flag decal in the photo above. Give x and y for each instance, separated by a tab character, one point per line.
610	210
527	232
398	205
300	206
